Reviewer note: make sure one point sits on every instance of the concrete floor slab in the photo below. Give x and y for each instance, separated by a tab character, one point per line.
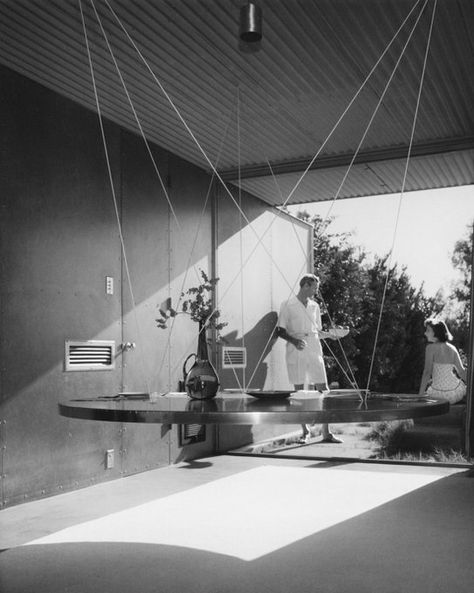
415	538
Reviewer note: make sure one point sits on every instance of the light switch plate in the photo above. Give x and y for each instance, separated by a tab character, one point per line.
109	285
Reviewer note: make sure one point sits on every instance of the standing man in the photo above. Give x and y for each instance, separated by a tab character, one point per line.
300	325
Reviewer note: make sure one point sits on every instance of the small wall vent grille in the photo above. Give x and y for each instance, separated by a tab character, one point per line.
234	357
191	433
91	355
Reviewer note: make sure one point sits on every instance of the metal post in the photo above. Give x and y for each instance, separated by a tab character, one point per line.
214	271
469	432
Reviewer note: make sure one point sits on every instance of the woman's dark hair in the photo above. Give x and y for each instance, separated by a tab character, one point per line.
440	330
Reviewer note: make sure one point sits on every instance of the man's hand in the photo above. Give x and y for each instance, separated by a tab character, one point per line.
299	344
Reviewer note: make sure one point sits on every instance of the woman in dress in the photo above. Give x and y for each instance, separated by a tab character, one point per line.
444	374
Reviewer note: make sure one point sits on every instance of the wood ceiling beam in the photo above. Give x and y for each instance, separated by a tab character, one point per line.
343	160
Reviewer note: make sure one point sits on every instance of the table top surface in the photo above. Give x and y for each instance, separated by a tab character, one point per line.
241	408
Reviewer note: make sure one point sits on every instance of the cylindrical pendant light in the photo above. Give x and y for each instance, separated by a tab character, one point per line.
251	23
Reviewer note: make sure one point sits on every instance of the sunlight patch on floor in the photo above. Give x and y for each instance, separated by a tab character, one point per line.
249	514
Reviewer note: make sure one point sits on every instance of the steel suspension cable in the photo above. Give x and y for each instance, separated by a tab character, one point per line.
112	185
162	185
205	155
241	247
379	103
415	117
207	159
330	134
137	120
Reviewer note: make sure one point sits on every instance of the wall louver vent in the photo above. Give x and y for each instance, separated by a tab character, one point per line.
191	433
91	355
234	357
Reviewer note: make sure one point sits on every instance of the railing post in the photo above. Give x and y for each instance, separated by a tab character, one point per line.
469	434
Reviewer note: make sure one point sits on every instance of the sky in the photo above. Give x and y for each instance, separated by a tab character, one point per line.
429	225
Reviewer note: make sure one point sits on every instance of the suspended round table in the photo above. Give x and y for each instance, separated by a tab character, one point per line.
241	408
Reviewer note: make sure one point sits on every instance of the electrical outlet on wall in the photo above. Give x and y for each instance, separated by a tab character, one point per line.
109	459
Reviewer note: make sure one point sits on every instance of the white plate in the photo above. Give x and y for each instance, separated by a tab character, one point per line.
310	393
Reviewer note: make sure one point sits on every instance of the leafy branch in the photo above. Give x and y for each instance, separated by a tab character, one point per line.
197	303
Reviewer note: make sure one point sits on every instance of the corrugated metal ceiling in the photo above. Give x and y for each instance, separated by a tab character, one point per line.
261	113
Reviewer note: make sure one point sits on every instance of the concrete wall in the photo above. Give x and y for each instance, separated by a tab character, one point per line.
59	241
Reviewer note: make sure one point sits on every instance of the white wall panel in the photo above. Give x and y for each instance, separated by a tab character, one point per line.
260	259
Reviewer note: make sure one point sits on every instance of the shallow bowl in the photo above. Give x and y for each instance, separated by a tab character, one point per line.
338	332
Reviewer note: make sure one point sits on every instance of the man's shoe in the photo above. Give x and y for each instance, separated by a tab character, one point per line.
304	440
331	439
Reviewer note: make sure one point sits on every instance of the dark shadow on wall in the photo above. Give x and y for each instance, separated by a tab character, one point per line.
259	342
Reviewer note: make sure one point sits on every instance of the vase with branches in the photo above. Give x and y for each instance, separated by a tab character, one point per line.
201	381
